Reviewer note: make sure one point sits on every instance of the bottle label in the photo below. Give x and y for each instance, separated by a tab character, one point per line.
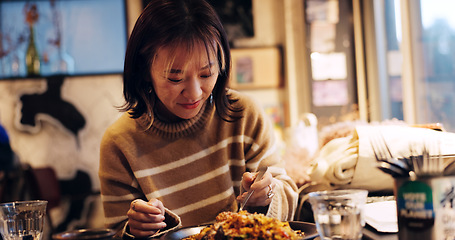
428	205
415	206
444	196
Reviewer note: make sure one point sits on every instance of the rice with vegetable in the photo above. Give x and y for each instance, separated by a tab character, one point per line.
244	225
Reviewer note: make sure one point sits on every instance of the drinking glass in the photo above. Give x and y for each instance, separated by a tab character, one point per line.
338	213
22	220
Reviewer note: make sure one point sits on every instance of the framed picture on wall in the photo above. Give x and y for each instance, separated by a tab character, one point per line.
256	68
69	37
236	16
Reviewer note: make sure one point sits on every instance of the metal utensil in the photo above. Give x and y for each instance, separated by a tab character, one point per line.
392	169
261	173
426	164
386	161
399	163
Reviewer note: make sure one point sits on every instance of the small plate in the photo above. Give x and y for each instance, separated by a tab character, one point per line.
308	228
85	234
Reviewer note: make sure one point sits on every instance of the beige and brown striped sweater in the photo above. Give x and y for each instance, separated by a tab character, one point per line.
194	167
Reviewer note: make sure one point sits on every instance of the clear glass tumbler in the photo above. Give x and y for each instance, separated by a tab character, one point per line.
338	213
22	220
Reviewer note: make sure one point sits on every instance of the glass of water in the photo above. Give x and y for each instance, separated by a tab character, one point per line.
22	220
338	213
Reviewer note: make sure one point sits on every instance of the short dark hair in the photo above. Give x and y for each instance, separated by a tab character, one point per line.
171	23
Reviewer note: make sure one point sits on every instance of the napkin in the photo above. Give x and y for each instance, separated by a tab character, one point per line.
341	164
382	216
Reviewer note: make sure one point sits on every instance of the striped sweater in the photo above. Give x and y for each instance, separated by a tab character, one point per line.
194	167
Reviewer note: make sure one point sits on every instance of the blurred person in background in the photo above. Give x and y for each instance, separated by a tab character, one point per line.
11	173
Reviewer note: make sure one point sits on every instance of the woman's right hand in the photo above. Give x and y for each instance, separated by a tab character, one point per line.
145	218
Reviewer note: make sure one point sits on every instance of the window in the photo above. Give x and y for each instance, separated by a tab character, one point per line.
435	62
415	47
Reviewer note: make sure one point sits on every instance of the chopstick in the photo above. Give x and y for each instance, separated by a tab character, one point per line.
258	177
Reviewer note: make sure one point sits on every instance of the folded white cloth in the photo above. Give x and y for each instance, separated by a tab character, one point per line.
335	164
349	162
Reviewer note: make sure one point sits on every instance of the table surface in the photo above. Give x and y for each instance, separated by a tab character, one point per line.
371	233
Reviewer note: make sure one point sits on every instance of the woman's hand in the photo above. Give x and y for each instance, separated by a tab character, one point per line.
145	218
263	189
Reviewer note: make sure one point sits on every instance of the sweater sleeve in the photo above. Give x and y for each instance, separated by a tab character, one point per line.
119	186
265	152
117	183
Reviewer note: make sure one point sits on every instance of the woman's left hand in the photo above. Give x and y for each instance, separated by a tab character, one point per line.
263	189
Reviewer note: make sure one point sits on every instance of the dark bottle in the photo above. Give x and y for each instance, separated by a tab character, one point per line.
32	59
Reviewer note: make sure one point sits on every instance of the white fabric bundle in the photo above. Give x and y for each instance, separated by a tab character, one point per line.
336	162
349	162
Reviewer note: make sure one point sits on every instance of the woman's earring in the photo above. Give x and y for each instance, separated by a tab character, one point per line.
211	99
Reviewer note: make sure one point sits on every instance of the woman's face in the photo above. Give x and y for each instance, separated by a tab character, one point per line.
183	86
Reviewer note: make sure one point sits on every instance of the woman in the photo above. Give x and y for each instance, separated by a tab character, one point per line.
186	146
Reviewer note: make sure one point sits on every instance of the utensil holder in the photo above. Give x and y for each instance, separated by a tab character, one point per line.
425	207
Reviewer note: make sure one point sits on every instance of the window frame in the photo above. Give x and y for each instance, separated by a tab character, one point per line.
376	59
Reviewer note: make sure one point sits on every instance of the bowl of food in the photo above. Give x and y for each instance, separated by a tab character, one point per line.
244	225
85	234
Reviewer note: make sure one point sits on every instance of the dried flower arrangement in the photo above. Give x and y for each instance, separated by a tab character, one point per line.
10	44
31	13
31	17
